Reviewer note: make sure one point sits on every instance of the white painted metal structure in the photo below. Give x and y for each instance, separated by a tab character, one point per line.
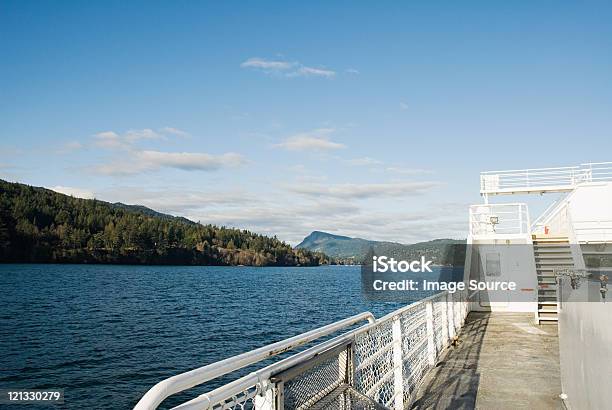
376	366
583	215
572	229
542	180
499	249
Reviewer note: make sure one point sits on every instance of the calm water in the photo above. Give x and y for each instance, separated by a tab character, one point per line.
106	334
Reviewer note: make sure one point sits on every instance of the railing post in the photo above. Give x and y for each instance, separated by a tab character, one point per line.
398	377
450	321
444	320
265	400
431	342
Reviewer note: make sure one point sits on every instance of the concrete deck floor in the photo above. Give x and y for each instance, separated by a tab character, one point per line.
502	361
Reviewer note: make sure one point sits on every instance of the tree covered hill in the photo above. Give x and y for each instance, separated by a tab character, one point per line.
40	225
354	250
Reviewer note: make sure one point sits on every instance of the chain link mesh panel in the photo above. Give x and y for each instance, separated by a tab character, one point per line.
315	383
347	398
374	363
414	348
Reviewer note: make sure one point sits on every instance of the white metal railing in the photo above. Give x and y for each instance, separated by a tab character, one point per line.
383	361
543	179
184	381
538	225
554	221
495	219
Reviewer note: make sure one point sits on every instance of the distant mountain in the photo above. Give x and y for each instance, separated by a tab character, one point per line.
338	246
346	249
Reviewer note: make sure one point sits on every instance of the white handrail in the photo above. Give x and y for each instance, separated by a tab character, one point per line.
183	381
492	219
559	179
263	376
547	214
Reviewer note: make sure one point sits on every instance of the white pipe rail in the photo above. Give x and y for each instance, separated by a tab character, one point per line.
540	180
259	385
495	219
453	319
184	381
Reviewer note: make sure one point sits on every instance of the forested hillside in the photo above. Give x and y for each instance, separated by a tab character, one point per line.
355	250
40	225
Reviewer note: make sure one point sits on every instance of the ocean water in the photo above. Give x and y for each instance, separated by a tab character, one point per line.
106	334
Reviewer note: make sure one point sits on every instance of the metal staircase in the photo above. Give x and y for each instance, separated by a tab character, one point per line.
550	253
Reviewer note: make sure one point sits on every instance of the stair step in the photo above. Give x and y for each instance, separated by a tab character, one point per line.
549	319
556	251
551	245
553	254
543	302
554	263
550	240
549	256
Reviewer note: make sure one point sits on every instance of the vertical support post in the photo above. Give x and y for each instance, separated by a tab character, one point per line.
450	320
431	342
265	400
444	319
398	378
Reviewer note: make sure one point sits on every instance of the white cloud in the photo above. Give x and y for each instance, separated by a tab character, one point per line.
147	133
75	192
190	161
114	140
286	68
363	162
144	161
109	140
316	72
256	62
352	71
316	140
363	191
174	131
403	106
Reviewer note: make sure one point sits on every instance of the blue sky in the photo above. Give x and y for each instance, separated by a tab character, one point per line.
359	118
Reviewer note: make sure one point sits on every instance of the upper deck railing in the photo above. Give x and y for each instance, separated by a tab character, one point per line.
540	180
499	219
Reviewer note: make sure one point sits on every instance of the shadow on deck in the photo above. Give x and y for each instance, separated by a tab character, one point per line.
502	361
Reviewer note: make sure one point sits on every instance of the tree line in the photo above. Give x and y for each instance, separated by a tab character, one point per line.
42	226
